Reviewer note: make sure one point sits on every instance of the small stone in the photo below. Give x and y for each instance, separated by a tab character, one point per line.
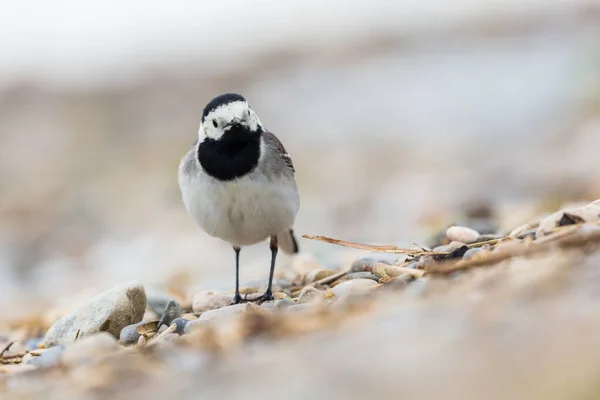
280	295
362	275
365	264
129	335
157	301
284	303
193	325
110	311
171	336
180	323
318	274
189	316
353	286
172	310
361	264
210	300
472	252
162	329
455	245
513	247
486	238
222	312
299	307
310	295
458	252
424	261
32	344
462	234
411	265
90	348
384	271
47	358
448	248
569	216
523	229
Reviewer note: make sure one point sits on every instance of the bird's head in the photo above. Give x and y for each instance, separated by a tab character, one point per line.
228	112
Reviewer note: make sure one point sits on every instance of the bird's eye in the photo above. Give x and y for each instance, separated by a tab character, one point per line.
215	123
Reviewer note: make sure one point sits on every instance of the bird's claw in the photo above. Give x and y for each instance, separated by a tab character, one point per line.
267	296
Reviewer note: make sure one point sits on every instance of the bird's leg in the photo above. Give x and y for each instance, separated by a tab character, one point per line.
269	294
237	298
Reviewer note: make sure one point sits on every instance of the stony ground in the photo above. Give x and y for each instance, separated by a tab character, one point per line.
479	314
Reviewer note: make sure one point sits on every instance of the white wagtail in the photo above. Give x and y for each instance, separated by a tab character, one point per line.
237	182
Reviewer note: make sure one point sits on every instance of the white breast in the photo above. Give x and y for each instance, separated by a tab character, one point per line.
244	211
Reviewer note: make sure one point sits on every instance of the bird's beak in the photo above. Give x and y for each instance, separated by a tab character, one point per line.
234	123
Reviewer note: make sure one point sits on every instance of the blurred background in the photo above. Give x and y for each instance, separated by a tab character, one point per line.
399	115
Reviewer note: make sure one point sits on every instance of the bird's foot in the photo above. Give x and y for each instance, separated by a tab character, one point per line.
237	299
267	296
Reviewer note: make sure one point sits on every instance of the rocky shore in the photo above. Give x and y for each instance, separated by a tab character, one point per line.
494	314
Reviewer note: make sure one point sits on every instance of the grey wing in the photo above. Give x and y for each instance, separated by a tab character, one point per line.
188	165
280	154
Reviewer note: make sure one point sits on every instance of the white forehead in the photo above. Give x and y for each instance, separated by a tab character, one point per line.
229	110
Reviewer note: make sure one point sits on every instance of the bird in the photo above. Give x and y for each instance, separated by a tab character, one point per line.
238	183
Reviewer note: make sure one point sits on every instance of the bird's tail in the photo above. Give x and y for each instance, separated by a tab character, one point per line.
287	242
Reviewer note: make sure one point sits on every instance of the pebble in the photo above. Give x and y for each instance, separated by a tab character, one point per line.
365	264
424	262
362	275
448	248
180	323
462	234
318	274
210	300
523	229
192	325
90	348
412	265
569	216
386	271
353	286
280	295
32	344
268	305
509	246
284	303
47	358
299	307
171	336
157	301
172	310
458	252
162	329
222	312
110	311
310	295
471	253
361	264
129	335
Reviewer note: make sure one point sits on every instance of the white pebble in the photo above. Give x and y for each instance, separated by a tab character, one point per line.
210	300
462	234
353	286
